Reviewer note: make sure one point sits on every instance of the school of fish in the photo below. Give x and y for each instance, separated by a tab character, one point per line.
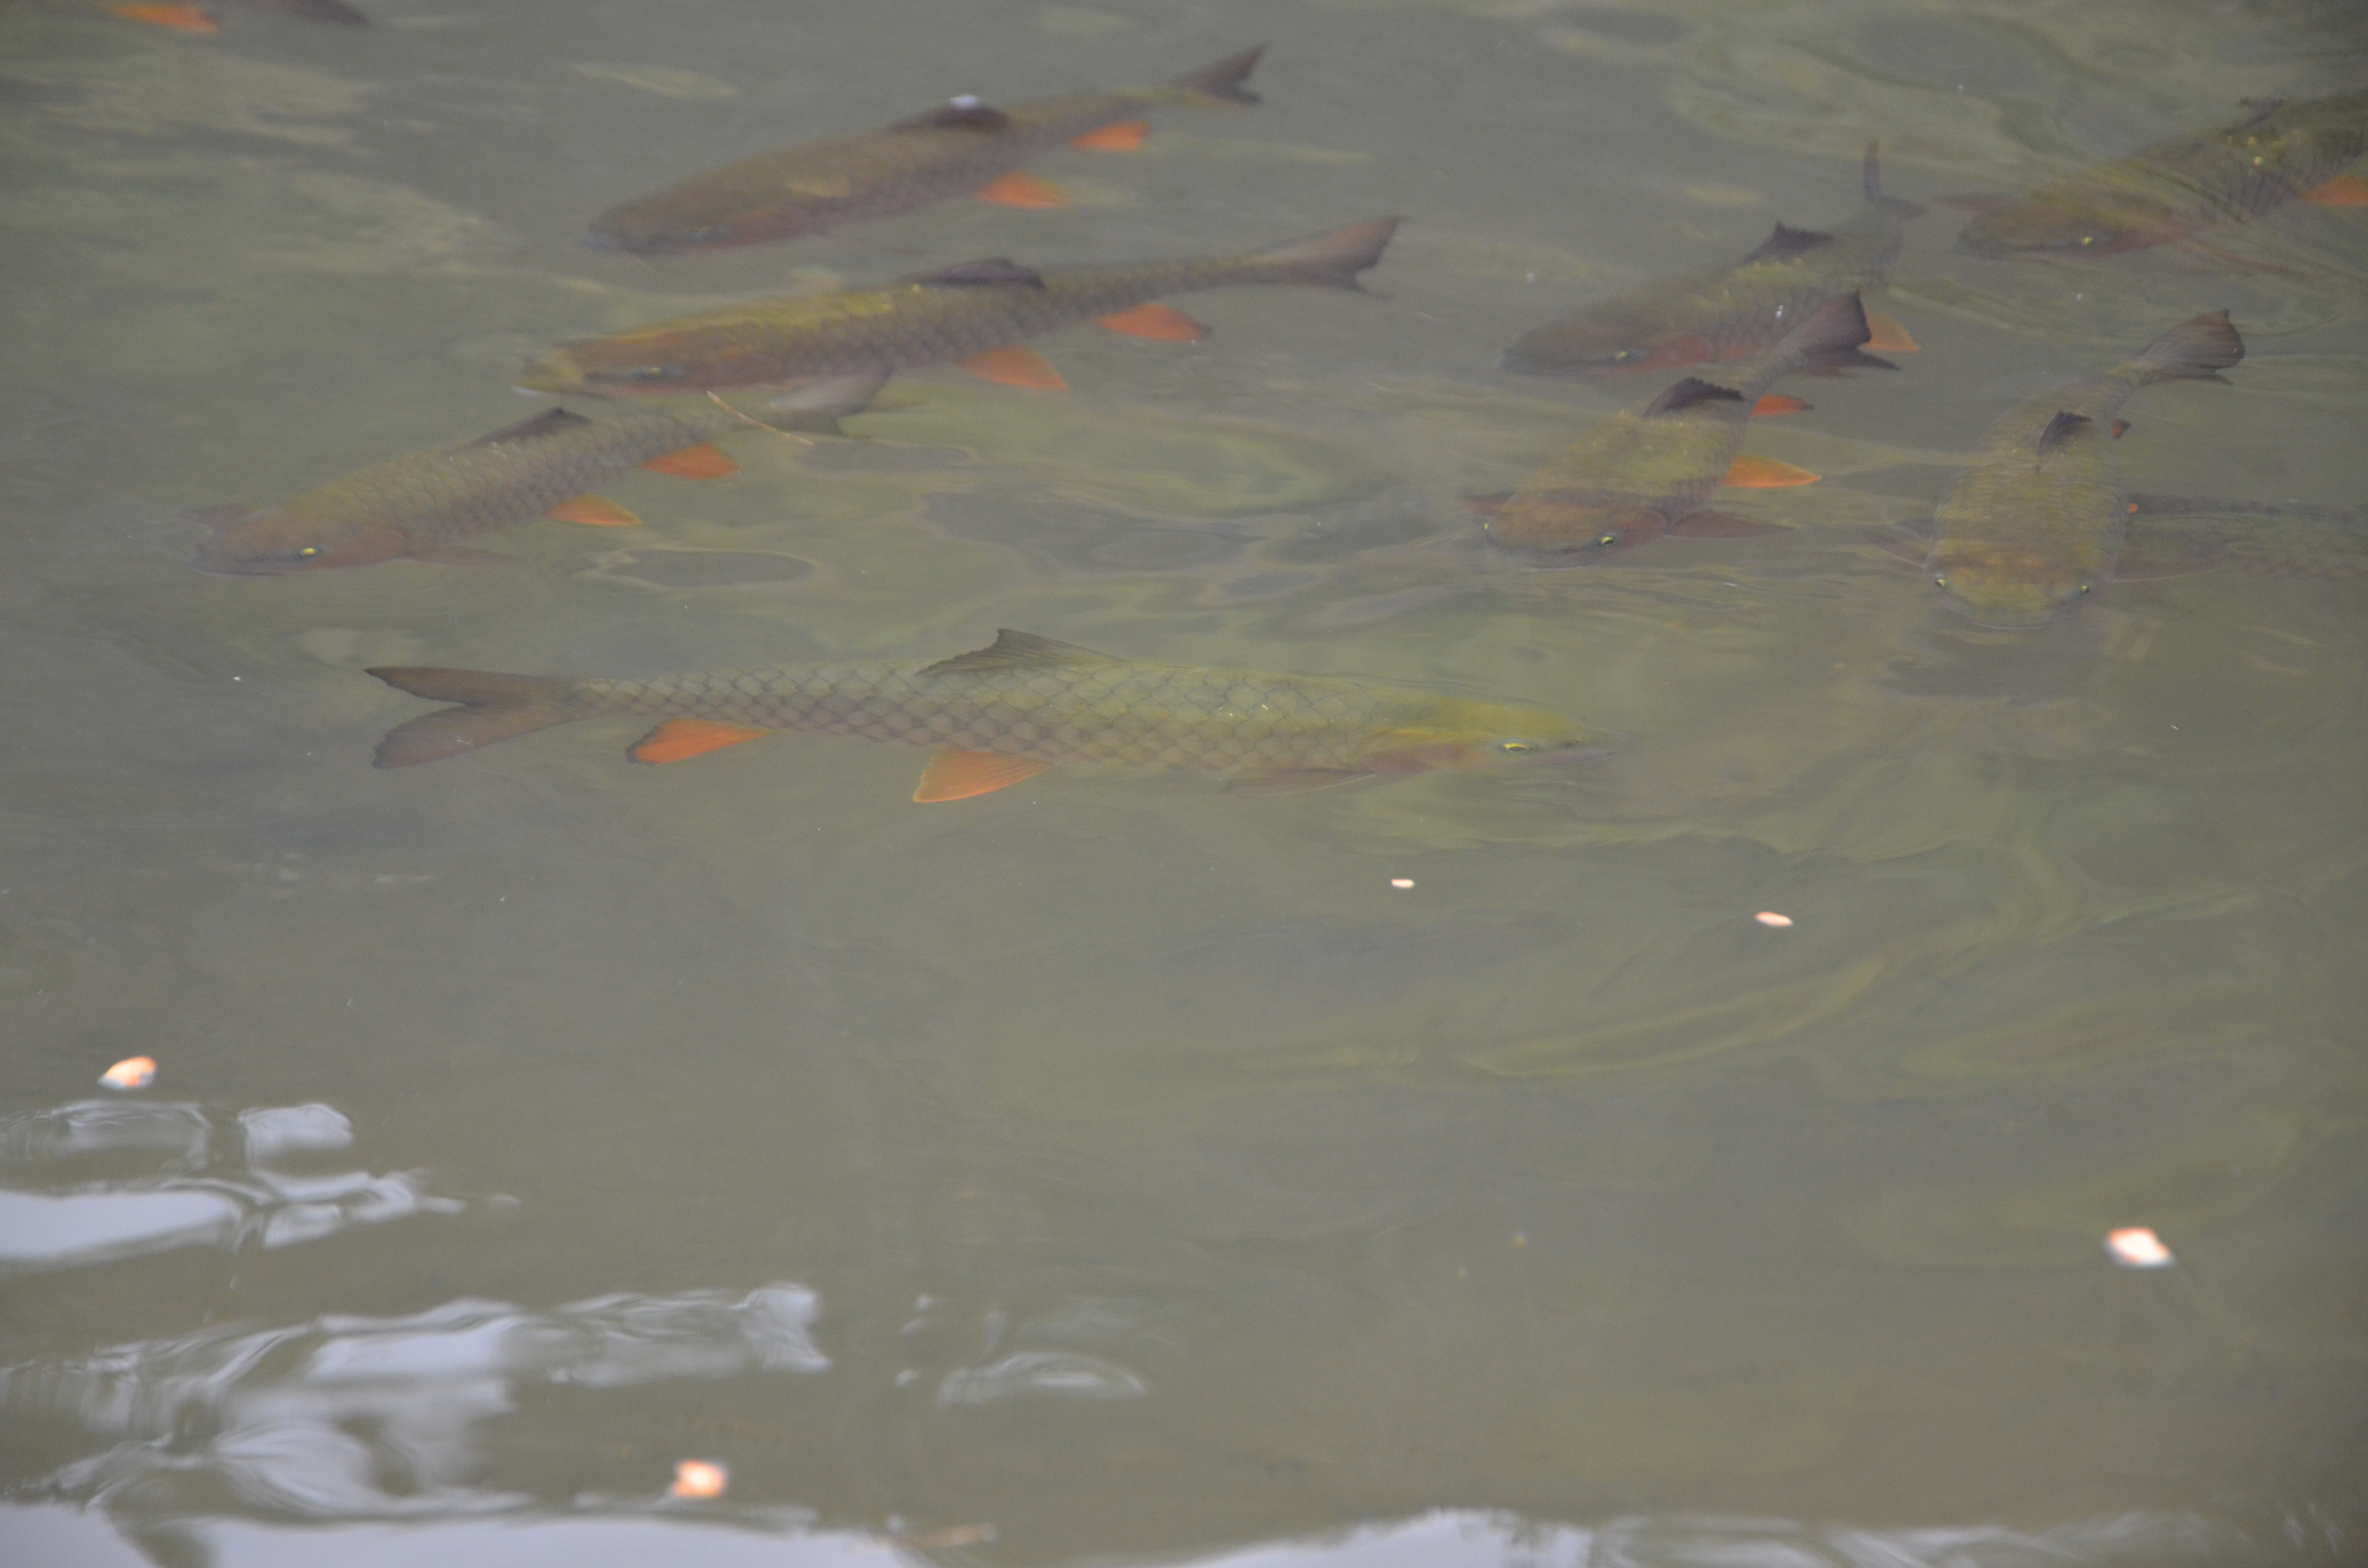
2037	523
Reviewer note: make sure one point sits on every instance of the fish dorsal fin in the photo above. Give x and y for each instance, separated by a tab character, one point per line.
1688	393
549	423
983	274
2062	428
957	114
1018	650
1782	242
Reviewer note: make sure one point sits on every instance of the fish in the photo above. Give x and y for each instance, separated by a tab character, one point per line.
190	18
1652	472
2033	528
959	148
1006	712
2176	189
1729	313
421	505
839	347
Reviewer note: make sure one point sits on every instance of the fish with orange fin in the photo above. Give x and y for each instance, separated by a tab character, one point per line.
422	504
2036	525
837	348
1729	313
1009	710
1651	472
962	147
2176	189
187	19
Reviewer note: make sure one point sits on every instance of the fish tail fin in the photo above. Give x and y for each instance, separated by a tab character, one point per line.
1221	82
2195	350
1874	177
1334	258
1829	338
492	707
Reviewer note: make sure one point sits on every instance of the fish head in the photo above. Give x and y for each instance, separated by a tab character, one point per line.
1461	736
675	223
1570	530
2011	588
2045	227
632	366
280	544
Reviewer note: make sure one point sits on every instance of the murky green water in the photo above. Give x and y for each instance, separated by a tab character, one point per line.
1115	1168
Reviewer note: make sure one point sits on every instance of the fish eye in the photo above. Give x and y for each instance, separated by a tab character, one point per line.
306	552
1516	746
1607	540
2088	239
1940	582
1623	355
643	373
2084	587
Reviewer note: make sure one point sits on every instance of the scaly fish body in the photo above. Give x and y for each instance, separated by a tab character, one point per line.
938	318
1007	710
425	502
2033	525
2176	188
950	150
1651	472
1726	312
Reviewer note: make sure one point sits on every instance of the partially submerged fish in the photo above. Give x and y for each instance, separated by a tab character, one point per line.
2034	525
1727	312
2175	189
422	504
1007	713
956	149
1643	474
188	18
840	345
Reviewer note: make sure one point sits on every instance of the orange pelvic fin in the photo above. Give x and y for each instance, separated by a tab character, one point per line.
1016	366
1123	137
597	513
1767	473
1890	337
1019	188
1777	403
2119	428
1162	323
679	738
959	775
705	460
180	18
2343	190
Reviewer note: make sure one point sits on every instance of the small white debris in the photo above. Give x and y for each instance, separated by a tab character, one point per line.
699	1478
1772	920
2137	1247
1401	881
131	1072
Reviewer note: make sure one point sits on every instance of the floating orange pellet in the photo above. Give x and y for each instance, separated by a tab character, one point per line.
1770	918
1401	881
2137	1247
131	1072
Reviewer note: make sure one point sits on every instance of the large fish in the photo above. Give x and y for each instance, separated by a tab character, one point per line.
2034	525
1008	711
840	345
2177	188
188	18
1643	474
957	149
422	504
1728	313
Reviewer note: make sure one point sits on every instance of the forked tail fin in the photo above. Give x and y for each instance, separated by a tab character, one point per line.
1222	81
492	707
1829	338
1873	178
1334	258
2195	350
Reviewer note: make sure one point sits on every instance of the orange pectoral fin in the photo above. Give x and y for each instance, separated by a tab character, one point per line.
679	738
1777	403
180	18
1017	366
1123	137
1890	337
1766	473
2343	190
1019	188
1162	323
596	512
705	460
959	775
